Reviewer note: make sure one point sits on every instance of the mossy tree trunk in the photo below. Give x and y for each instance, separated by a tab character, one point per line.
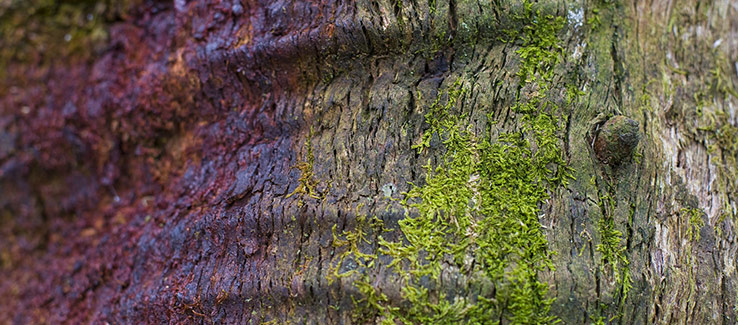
370	161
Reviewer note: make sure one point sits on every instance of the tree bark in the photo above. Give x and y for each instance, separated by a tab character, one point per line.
270	161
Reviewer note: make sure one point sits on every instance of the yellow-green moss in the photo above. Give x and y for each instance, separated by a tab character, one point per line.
307	180
477	213
613	259
694	222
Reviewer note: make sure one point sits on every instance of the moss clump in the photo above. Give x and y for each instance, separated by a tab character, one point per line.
541	50
477	215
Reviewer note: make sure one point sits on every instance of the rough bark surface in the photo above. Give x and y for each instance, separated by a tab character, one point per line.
196	161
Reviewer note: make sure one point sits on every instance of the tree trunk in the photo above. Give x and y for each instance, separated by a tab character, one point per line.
369	161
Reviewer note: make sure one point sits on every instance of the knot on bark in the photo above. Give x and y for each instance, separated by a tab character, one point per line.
616	140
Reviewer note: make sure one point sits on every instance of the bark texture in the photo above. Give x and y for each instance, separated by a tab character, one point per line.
209	161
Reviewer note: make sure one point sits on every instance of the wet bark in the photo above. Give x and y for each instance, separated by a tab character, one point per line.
196	162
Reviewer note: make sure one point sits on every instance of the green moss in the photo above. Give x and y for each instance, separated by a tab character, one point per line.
307	180
354	241
614	260
593	21
477	213
541	49
598	320
694	222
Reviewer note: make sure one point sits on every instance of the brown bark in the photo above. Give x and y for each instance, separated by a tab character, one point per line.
161	173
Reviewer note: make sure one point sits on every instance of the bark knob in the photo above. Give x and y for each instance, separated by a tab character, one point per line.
616	140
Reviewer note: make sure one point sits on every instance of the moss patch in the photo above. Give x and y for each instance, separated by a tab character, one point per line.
477	215
307	180
613	261
694	221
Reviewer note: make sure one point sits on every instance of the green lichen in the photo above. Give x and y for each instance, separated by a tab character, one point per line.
477	214
613	271
614	262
